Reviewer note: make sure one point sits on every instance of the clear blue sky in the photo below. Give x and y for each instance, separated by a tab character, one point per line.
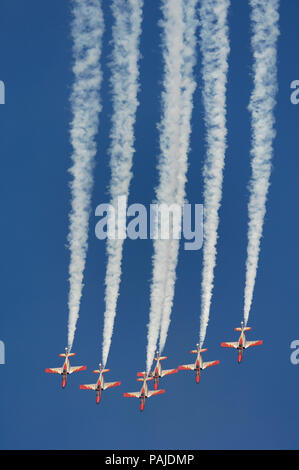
254	405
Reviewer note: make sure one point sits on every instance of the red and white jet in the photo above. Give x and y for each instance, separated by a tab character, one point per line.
158	372
66	369
100	384
242	343
199	364
144	392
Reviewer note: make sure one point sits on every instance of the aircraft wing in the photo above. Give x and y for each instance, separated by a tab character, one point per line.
132	395
230	345
187	367
168	372
253	343
76	369
143	374
209	364
88	387
111	384
151	393
57	370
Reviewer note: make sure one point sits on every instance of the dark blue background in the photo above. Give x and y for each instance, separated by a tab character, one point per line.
254	405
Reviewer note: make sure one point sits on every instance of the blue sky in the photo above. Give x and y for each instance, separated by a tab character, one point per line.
251	406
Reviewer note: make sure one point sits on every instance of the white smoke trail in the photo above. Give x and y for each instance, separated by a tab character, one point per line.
87	31
264	18
126	33
188	86
179	26
215	49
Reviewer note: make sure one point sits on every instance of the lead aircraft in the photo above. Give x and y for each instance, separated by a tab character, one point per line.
242	343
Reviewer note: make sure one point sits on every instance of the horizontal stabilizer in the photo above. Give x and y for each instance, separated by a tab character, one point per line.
247	328
141	374
147	379
161	358
195	351
69	355
97	371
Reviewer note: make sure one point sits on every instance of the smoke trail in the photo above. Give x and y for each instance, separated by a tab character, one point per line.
126	32
264	18
215	49
87	30
179	25
188	86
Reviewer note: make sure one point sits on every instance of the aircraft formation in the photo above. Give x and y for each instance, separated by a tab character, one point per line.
156	374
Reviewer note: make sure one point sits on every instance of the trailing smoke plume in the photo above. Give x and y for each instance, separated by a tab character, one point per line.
179	27
264	19
214	43
87	30
125	74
